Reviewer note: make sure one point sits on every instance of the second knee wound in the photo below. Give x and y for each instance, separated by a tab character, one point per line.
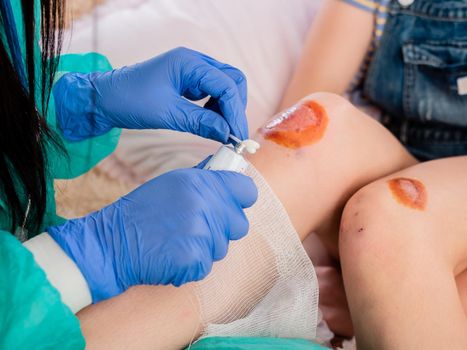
409	192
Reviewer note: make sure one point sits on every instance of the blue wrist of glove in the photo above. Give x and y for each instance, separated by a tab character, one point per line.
89	242
76	104
156	94
168	231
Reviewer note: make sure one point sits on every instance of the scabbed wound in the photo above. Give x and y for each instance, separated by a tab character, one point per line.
302	125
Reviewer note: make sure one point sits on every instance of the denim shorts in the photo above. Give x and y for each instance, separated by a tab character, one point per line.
418	76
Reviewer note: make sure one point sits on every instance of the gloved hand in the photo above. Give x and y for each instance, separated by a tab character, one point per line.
168	231
150	95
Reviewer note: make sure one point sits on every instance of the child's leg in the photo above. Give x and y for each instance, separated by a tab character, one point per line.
313	183
143	317
402	244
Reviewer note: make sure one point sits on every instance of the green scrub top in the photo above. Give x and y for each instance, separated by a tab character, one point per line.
246	343
32	315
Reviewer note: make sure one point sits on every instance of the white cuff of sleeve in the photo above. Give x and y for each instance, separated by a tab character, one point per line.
61	271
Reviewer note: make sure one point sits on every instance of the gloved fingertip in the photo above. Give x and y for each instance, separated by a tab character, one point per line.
237	236
233	112
240	226
180	278
245	135
214	127
220	249
177	284
250	193
239	126
204	269
241	187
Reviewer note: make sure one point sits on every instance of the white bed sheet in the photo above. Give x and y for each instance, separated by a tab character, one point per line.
261	37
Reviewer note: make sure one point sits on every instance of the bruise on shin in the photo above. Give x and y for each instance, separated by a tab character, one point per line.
301	125
409	192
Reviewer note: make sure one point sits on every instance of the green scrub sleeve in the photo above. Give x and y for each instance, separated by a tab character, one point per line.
79	157
33	316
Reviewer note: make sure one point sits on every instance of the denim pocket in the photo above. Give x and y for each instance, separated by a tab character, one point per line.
428	150
434	72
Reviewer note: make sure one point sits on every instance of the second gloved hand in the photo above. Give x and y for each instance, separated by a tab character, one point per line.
153	95
168	231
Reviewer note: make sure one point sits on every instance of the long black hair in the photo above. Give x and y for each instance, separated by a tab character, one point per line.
25	85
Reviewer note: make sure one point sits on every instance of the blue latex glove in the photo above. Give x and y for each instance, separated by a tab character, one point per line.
168	231
150	95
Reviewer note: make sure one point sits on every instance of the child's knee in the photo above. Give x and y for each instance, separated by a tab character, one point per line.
372	228
336	106
326	98
346	122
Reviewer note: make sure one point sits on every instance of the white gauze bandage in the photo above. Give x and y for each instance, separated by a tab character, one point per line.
266	286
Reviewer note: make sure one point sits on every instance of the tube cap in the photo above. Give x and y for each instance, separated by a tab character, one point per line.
227	159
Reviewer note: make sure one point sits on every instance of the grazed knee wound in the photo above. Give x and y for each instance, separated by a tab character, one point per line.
409	192
301	125
266	286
